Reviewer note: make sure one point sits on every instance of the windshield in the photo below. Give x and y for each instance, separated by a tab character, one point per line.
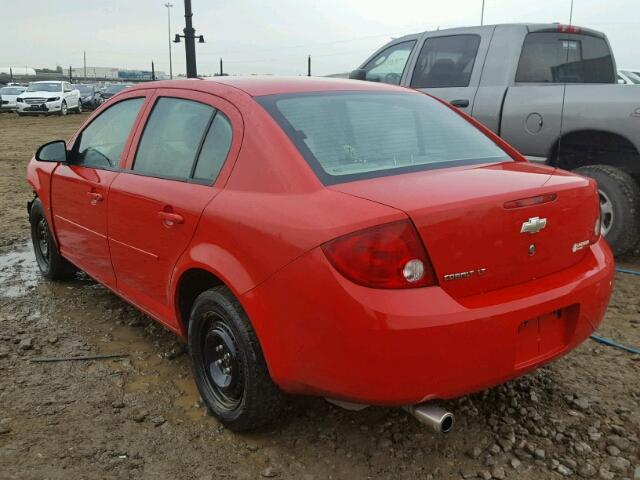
347	136
634	77
84	89
115	88
45	87
11	91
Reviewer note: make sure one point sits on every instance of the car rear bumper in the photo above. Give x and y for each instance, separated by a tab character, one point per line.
323	335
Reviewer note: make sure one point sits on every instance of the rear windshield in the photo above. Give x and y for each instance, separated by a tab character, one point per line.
565	58
347	136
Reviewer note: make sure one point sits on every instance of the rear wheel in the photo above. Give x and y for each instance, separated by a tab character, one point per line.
228	364
52	265
619	205
79	107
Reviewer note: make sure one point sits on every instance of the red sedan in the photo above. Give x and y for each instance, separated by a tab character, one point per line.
356	241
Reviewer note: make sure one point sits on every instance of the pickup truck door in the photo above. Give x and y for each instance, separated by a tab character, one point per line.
533	107
155	204
80	189
449	64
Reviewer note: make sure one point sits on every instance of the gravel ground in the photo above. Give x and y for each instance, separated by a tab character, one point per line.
141	417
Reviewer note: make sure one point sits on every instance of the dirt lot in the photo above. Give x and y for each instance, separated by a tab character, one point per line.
141	417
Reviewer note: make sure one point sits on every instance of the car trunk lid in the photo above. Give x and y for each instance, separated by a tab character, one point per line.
474	237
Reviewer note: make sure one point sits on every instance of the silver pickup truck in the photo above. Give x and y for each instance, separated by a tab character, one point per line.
548	89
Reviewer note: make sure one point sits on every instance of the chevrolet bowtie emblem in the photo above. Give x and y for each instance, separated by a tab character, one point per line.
533	225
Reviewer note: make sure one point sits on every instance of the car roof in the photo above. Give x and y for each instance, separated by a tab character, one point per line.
270	85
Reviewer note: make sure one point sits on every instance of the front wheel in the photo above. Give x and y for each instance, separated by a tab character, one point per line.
228	364
63	108
52	265
619	205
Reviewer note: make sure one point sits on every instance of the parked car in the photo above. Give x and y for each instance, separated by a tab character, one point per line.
357	241
628	77
111	90
532	85
8	97
47	98
89	96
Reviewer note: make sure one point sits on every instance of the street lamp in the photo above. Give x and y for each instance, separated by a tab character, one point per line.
189	41
169	6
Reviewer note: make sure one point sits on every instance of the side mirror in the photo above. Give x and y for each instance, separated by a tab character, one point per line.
358	74
55	151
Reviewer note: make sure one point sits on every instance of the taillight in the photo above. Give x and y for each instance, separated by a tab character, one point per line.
385	256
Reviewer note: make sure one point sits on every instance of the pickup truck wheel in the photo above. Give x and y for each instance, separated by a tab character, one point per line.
52	265
229	368
619	205
63	108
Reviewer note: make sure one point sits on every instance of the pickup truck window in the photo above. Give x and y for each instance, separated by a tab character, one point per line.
347	136
549	57
172	138
446	62
101	143
388	65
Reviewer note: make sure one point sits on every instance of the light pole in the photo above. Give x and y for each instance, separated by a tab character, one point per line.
169	6
189	40
482	14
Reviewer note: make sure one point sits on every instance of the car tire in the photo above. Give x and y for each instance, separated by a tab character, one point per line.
52	265
20	114
619	204
63	108
78	109
228	364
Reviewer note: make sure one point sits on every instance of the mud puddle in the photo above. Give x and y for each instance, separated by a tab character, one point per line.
18	272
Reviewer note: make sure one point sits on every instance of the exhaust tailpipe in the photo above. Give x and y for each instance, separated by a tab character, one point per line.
432	416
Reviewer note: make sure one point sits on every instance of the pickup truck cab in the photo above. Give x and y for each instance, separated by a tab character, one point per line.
549	90
48	97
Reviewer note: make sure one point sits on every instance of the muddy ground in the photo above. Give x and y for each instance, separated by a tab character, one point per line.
141	417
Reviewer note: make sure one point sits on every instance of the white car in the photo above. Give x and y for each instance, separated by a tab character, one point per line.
48	97
629	76
8	97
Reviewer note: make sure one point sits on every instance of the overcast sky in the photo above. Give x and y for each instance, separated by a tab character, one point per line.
272	36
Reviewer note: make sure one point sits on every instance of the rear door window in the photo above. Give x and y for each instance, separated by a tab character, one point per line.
214	149
549	57
183	140
446	62
172	137
388	65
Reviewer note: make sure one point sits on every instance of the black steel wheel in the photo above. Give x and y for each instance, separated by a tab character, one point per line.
52	265
228	364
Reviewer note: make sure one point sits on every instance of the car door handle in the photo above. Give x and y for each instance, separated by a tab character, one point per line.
460	103
170	219
95	197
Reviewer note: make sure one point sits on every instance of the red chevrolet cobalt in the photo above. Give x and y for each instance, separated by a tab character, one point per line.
356	241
